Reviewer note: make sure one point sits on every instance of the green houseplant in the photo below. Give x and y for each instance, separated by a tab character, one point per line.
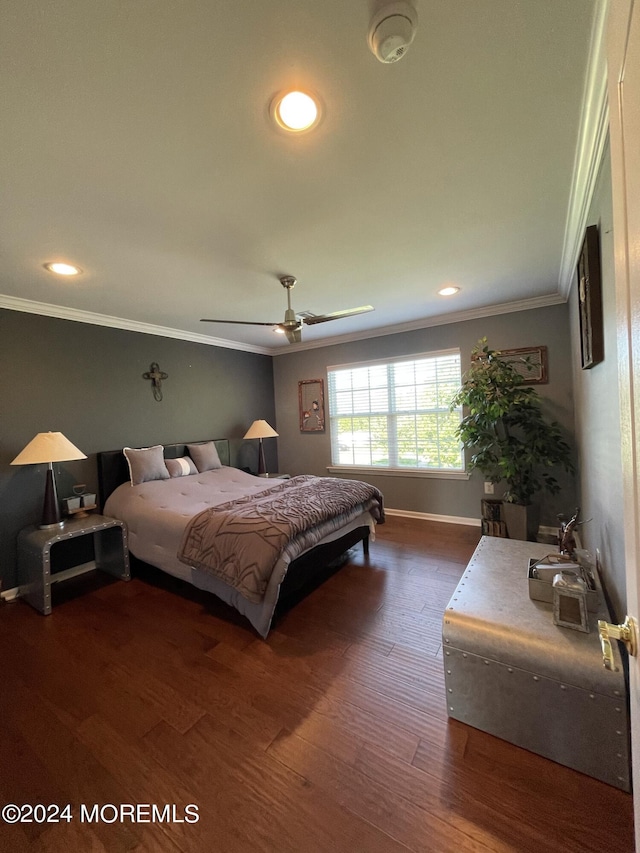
506	432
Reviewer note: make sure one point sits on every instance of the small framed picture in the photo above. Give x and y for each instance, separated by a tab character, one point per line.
311	405
530	362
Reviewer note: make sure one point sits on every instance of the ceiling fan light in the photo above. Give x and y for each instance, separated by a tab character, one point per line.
296	111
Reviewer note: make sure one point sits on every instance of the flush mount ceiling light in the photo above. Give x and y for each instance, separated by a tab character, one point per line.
448	291
295	112
62	269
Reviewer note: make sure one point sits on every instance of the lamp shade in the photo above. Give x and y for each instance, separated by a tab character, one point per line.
48	447
261	429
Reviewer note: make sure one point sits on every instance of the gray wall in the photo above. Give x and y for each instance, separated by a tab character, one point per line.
311	452
86	382
598	416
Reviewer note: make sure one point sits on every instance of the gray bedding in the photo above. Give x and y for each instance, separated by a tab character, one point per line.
157	514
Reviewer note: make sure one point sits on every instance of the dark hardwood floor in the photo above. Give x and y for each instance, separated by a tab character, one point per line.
330	736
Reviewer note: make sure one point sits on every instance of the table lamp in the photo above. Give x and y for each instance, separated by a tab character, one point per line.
49	447
260	430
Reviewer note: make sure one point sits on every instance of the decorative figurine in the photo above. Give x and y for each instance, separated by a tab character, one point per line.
567	540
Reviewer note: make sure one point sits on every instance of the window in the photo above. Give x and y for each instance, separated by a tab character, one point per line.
396	415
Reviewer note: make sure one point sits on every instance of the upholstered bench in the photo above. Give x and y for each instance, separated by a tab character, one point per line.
511	672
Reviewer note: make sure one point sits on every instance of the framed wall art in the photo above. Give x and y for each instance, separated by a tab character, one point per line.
590	300
311	405
530	362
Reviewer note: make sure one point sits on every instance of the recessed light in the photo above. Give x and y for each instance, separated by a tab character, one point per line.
278	330
295	111
62	269
448	291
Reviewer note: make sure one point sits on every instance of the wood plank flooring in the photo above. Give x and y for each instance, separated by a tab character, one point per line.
331	736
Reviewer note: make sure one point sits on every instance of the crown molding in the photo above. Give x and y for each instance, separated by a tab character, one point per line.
13	303
428	322
592	140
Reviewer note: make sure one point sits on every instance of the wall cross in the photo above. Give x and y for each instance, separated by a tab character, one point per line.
156	376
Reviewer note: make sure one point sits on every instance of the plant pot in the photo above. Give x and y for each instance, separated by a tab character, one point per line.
522	521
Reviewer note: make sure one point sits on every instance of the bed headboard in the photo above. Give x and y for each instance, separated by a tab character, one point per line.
113	469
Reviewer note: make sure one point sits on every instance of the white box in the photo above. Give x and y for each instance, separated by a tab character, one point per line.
541	588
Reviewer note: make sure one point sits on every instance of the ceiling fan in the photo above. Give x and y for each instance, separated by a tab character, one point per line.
292	324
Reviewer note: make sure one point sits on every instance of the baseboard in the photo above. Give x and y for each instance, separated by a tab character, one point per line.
74	571
430	516
10	594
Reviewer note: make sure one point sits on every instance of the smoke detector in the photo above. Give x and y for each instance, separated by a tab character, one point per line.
391	31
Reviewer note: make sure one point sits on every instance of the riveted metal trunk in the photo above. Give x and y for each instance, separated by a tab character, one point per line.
511	672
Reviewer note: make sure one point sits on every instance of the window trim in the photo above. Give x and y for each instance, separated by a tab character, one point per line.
436	473
371	470
394	359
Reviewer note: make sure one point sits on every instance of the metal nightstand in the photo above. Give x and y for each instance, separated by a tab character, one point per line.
34	555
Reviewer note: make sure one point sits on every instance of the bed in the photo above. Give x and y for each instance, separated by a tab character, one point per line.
249	540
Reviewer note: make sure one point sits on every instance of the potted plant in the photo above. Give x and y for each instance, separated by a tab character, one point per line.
508	436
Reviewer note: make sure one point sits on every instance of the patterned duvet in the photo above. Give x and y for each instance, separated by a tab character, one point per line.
242	540
158	514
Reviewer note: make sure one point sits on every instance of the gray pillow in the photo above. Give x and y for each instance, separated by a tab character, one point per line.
145	464
205	456
181	467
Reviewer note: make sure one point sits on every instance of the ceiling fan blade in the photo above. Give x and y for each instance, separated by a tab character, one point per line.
292	324
337	315
294	336
238	322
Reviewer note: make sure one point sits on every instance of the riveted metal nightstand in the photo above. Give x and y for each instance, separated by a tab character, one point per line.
34	555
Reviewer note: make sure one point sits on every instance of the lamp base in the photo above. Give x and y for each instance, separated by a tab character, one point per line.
50	510
57	525
262	468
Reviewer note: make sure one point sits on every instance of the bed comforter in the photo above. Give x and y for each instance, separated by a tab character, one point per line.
157	514
242	540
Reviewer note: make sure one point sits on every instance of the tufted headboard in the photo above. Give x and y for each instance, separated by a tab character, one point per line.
113	469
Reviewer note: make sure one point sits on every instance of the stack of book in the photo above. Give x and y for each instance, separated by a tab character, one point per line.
492	523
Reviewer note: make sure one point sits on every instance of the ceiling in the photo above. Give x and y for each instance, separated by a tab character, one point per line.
137	144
